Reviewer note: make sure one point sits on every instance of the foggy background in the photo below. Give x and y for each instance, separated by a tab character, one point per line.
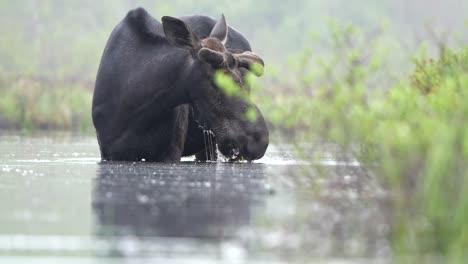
65	39
51	44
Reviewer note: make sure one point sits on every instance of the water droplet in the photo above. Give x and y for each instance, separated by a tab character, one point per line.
142	198
347	178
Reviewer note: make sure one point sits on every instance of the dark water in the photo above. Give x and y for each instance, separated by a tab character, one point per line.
58	204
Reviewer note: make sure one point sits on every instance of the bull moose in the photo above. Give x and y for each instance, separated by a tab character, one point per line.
155	92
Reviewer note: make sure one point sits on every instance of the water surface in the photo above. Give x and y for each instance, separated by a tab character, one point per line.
60	204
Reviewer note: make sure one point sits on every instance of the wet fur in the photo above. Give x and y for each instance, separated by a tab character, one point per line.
139	108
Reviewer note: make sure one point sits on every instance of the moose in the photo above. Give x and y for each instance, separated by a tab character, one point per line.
155	92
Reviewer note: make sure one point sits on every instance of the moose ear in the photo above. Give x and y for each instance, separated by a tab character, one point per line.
212	57
251	61
179	34
220	30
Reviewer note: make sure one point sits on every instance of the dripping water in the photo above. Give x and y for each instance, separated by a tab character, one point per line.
211	148
210	145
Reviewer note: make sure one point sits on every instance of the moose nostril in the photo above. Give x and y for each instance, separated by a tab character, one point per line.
257	137
256	147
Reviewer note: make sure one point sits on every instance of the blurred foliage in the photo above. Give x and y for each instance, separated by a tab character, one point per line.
31	104
414	134
429	74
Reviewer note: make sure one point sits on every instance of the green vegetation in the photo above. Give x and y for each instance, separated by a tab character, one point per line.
415	131
52	49
33	104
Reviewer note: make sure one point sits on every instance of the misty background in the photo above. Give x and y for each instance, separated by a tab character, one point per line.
56	45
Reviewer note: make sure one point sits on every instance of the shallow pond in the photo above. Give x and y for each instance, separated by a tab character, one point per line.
60	204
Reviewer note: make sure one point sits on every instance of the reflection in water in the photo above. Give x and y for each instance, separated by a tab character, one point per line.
57	201
210	201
